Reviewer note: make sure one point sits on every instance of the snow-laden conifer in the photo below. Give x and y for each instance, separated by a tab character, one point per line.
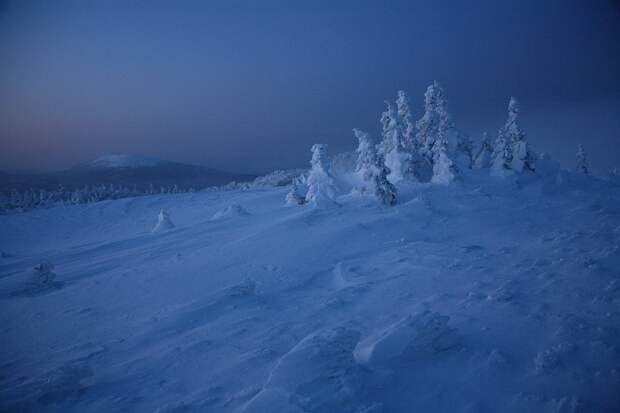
444	170
521	157
406	125
384	190
320	183
391	147
434	127
366	160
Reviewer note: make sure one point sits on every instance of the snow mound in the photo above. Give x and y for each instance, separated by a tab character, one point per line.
230	211
119	160
415	335
317	374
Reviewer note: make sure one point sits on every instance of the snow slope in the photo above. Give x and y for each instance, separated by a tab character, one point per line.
482	296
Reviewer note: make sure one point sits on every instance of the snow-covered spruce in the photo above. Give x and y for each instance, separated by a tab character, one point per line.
406	125
320	183
582	166
483	156
522	158
391	145
444	170
433	127
365	166
384	190
163	221
426	126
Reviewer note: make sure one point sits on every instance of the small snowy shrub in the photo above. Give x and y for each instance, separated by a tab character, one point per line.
163	221
482	159
43	273
294	195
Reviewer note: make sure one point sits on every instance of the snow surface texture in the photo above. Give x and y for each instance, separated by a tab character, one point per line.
483	296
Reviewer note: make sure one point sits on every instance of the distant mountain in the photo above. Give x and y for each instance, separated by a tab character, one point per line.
124	170
120	160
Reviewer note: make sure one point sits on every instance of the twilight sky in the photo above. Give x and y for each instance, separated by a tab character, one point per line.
249	85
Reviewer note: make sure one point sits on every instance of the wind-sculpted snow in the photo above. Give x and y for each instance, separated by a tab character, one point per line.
318	374
420	335
485	295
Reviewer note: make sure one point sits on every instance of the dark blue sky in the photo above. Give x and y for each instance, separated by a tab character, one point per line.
250	85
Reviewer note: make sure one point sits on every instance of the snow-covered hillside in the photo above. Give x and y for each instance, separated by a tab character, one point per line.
486	295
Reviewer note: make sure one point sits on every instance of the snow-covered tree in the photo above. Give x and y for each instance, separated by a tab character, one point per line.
583	165
434	127
482	159
426	126
384	190
521	158
294	195
365	151
405	121
501	157
163	221
413	162
391	146
444	170
320	183
366	159
406	125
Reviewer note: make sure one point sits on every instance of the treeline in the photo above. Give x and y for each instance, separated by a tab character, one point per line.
25	200
17	201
